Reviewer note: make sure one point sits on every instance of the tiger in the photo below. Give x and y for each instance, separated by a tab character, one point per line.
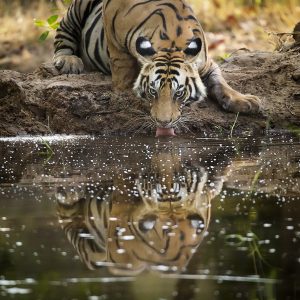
150	219
157	48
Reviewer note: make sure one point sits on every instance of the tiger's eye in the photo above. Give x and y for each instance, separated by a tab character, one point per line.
152	92
179	94
196	221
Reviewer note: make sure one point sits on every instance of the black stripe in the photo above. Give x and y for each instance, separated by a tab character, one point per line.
88	10
102	36
75	22
174	72
141	3
99	60
61	47
64	37
190	17
174	8
160	64
133	31
176	80
179	31
163	36
160	71
151	37
175	65
92	223
173	61
70	31
88	37
160	13
158	77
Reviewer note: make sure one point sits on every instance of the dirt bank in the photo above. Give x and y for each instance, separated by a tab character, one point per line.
43	103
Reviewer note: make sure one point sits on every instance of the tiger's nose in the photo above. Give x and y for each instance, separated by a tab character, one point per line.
163	124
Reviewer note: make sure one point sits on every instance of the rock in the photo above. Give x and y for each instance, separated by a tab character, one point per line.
296	32
296	75
46	102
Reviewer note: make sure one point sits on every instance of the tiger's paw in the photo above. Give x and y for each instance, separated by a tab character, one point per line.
236	102
68	64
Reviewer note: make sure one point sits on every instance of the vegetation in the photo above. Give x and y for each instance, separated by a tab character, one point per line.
233	125
230	25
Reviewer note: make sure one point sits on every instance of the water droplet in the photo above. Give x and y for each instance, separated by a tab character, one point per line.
267	225
121	251
127	237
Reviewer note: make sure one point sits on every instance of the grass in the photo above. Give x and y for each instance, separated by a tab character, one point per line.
255	179
233	125
294	129
47	152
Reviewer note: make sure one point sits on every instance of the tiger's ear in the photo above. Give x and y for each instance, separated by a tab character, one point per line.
144	47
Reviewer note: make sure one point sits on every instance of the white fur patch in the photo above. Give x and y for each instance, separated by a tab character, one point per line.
146	45
193	45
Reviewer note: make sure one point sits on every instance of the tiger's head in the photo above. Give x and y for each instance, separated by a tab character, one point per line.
154	219
171	61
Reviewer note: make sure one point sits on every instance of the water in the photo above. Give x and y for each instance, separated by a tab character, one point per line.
137	218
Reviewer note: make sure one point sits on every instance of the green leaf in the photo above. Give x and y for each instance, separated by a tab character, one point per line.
44	36
67	2
51	20
39	23
54	26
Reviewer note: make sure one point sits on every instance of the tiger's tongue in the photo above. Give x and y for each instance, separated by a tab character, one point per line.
165	132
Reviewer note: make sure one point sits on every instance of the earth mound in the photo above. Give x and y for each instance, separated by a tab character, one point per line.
44	102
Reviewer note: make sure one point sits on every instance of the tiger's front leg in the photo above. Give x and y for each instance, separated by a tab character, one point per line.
124	69
227	97
68	64
68	38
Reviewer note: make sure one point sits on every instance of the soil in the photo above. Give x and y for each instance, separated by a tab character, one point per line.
44	102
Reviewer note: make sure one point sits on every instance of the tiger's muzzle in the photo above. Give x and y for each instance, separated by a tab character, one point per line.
164	110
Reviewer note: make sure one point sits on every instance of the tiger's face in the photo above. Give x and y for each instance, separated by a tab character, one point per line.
130	235
155	217
169	78
163	49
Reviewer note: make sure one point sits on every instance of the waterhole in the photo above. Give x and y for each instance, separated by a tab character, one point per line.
140	218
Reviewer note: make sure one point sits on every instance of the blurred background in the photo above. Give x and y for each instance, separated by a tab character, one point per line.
230	25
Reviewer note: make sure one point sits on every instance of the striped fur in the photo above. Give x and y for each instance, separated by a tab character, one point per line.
139	45
168	69
162	224
148	217
81	35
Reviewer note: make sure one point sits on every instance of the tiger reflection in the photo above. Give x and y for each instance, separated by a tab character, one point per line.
154	219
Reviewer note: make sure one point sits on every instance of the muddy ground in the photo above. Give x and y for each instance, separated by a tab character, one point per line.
44	102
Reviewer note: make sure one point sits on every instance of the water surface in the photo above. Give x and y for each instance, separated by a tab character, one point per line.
137	218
